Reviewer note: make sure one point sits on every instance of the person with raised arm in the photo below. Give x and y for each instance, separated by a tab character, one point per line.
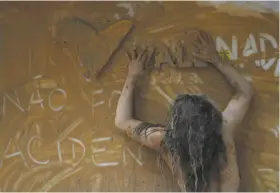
197	143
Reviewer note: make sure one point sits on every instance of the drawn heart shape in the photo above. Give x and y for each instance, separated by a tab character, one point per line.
96	48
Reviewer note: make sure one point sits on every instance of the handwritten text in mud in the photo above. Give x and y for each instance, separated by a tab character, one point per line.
99	156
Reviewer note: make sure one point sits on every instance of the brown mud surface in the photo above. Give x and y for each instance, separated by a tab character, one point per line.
57	128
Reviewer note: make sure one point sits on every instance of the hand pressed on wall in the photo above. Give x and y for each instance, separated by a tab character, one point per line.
137	60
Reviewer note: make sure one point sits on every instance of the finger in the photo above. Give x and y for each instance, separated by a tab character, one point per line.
151	54
143	59
134	50
134	54
129	56
142	53
149	66
149	57
207	36
134	45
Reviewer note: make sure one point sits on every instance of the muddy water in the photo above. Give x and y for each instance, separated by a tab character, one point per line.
56	128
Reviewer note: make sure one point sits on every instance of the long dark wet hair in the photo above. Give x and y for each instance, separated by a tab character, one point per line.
194	139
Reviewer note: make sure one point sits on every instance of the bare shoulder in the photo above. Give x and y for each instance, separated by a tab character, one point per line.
235	111
148	134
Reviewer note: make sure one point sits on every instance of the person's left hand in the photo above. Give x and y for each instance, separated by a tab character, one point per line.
136	62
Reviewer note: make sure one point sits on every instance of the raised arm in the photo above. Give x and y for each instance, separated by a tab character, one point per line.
238	106
233	116
124	114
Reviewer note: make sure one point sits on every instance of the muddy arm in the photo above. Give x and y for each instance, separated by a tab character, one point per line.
233	116
238	106
125	104
124	115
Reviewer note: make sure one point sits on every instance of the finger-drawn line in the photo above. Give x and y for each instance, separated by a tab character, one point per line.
8	180
276	71
266	65
99	103
100	150
70	128
38	101
85	97
16	94
32	184
59	151
4	106
132	155
17	105
29	151
265	170
14	154
73	151
97	91
32	172
115	92
51	106
101	139
160	91
109	60
104	164
38	130
84	150
59	177
85	77
124	157
37	76
179	79
52	62
7	168
80	61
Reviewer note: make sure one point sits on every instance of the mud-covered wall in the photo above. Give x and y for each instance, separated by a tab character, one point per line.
56	121
257	6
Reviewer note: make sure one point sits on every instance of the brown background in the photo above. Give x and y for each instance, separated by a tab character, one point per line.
29	47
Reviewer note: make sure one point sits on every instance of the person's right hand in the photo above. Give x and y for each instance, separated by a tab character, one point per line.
136	62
